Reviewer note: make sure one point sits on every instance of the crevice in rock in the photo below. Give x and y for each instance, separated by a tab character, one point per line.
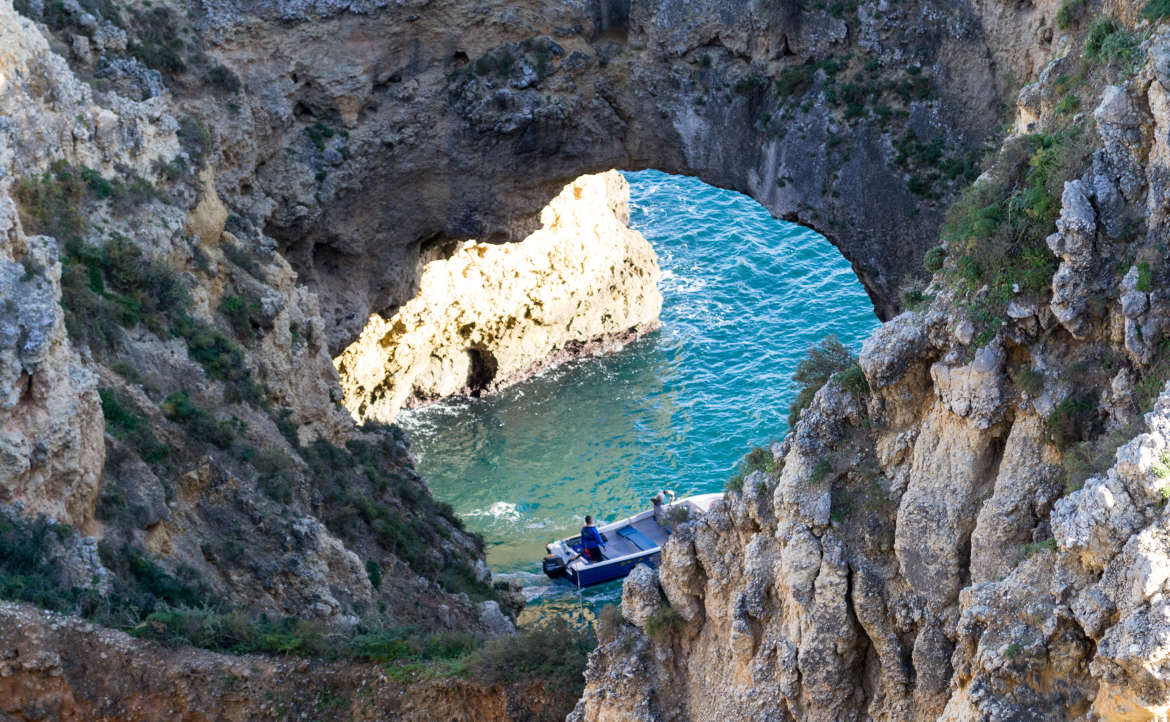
481	371
996	447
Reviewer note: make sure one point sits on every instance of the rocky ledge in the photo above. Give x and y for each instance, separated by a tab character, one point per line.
61	668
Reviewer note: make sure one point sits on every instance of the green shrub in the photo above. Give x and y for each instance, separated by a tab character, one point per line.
52	203
1036	547
1068	13
840	505
758	459
820	471
460	578
27	573
113	286
915	298
1030	380
554	653
1156	9
243	259
1150	385
1093	457
158	45
829	360
853	380
241	314
1068	104
1073	419
374	572
1101	29
749	85
222	79
127	372
1145	279
220	358
124	424
934	258
996	231
179	407
795	80
664	622
1109	43
195	139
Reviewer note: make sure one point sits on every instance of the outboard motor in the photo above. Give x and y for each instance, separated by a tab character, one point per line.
553	565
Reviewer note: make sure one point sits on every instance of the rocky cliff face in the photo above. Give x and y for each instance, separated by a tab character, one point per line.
977	531
167	387
391	128
233	188
487	316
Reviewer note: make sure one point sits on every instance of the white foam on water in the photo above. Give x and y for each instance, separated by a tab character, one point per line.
500	511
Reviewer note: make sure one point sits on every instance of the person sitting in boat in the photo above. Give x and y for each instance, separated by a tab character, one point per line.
659	502
591	541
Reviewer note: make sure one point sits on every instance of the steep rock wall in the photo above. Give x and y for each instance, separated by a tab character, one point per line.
390	129
488	316
165	382
980	535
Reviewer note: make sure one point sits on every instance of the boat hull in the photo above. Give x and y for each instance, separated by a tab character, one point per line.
635	540
608	571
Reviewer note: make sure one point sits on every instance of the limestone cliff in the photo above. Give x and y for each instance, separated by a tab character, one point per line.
978	530
487	315
393	128
233	188
167	389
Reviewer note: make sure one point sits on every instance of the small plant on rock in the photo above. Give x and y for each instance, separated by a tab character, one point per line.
758	459
663	623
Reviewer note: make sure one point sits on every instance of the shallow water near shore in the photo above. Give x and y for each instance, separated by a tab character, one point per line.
745	295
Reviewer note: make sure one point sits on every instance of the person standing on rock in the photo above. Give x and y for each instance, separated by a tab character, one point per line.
591	541
659	502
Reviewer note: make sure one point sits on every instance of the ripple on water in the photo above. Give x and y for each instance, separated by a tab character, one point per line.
745	295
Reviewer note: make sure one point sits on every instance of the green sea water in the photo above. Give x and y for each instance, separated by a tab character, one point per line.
745	295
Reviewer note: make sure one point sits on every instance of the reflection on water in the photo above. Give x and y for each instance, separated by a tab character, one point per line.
745	296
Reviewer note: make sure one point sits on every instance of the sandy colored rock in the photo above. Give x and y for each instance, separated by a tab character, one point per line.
489	315
206	220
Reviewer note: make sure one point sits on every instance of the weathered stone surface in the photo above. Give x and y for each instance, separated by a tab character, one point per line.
641	597
488	315
59	667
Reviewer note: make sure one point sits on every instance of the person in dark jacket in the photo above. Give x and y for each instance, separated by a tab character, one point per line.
591	541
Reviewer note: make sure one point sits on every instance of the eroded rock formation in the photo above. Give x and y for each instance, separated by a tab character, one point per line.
166	384
981	534
392	128
923	550
487	316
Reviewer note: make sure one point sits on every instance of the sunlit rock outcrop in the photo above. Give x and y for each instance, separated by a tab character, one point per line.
490	315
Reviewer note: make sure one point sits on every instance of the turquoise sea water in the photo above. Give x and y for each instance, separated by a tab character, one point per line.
745	295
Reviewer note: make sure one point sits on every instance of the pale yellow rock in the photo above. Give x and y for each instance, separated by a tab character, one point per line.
206	220
491	315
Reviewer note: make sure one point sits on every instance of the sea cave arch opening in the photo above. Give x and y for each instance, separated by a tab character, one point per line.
745	295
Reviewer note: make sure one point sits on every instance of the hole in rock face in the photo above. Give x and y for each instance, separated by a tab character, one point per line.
302	111
460	58
744	297
481	371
